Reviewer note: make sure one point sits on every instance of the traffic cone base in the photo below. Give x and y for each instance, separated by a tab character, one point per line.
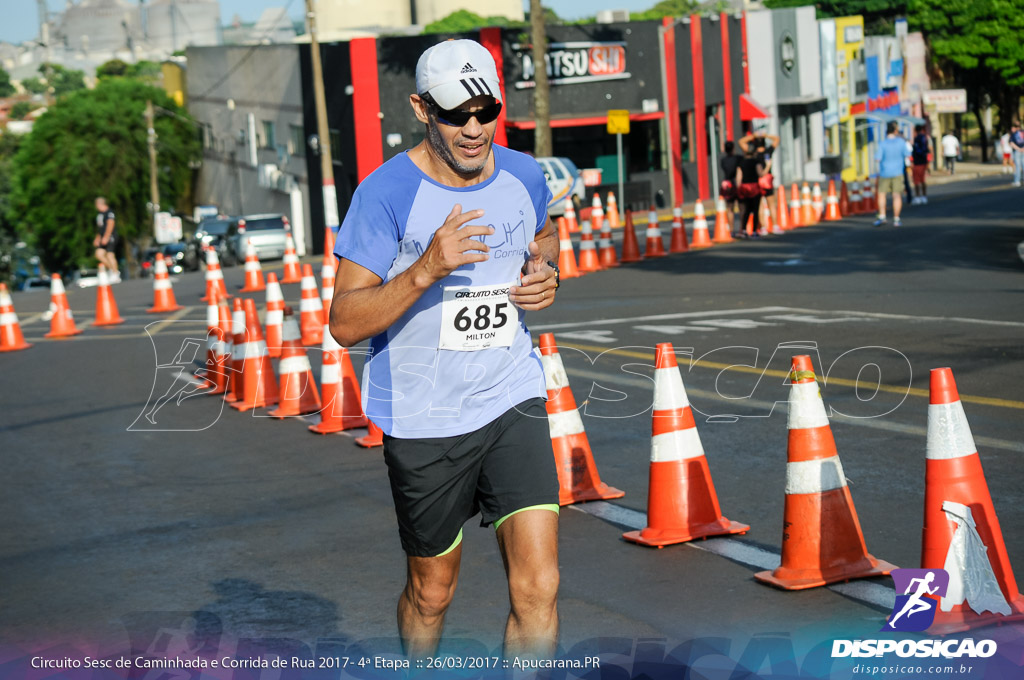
685	481
339	387
374	436
723	224
62	323
106	305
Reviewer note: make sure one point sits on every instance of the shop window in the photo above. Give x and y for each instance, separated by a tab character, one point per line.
296	140
805	133
686	125
335	137
715	118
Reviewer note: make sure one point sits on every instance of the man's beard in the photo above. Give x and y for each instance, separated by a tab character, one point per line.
444	152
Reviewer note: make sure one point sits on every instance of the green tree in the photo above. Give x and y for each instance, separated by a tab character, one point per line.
21	109
93	142
8	259
34	85
666	8
878	14
6	88
114	68
464	21
62	80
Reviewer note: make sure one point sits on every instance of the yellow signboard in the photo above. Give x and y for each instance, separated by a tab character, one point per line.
618	122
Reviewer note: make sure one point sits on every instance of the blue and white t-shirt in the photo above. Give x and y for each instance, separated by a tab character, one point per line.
461	355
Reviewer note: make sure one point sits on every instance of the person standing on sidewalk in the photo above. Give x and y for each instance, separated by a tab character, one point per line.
1017	148
922	149
950	150
892	157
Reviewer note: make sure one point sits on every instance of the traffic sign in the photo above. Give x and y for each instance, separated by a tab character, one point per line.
618	122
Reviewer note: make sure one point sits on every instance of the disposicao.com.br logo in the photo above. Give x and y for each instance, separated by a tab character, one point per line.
918	593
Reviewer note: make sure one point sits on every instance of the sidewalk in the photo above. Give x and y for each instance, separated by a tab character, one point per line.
963	171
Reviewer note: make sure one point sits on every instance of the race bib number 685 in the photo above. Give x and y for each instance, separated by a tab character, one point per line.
477	317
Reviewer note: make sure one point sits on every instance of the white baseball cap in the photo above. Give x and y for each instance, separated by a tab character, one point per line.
455	71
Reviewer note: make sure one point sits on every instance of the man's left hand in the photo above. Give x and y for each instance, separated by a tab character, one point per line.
538	284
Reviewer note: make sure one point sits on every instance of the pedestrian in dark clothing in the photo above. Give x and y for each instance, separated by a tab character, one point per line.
748	176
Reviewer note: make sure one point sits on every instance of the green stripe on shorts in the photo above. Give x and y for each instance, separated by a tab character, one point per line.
548	506
453	546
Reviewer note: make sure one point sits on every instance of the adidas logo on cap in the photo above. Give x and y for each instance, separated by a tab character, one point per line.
468	68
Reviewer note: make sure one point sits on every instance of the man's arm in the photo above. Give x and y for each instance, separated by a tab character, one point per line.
362	307
744	141
538	284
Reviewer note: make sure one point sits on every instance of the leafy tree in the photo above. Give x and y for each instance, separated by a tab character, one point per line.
93	142
6	88
8	263
666	8
34	85
62	80
21	109
878	14
113	68
464	21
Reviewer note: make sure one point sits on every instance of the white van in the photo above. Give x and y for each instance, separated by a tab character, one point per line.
564	180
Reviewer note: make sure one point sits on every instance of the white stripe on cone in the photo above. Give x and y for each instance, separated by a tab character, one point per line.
806	409
330	373
8	318
313	304
56	287
252	350
669	392
678	445
291	330
565	424
949	433
296	364
815	476
555	377
161	284
275	317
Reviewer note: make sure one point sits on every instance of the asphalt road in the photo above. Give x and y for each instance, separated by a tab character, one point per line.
248	527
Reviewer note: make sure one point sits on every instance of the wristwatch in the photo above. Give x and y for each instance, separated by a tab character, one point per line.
557	278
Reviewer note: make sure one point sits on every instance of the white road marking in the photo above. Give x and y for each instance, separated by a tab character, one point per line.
593	336
668	330
875	594
661	317
810	318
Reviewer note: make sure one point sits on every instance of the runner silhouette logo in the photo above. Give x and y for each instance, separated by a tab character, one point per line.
917	597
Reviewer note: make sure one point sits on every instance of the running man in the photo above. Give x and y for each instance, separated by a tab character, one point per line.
915	604
431	254
921	152
892	157
106	238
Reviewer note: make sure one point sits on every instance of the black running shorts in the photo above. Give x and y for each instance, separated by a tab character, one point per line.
439	483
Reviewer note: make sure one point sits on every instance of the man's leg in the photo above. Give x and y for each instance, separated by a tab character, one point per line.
1018	166
897	204
429	588
528	541
881	205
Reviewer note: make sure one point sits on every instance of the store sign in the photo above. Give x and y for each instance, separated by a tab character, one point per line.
946	101
575	62
884	101
853	34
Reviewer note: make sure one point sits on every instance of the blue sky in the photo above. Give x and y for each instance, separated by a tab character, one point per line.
20	17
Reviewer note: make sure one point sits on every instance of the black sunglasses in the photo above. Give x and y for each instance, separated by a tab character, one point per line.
459	118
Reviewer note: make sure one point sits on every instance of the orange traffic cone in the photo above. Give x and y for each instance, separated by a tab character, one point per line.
844	197
291	272
817	204
749	227
222	374
856	200
655	246
578	480
588	253
570	216
806	207
630	246
257	382
274	317
596	212
681	502
163	293
311	309
106	305
62	323
217	326
961	530
606	247
867	192
723	223
329	257
701	239
342	401
795	212
11	338
327	287
254	280
236	352
832	203
612	210
375	436
782	218
566	256
822	541
298	394
214	276
678	243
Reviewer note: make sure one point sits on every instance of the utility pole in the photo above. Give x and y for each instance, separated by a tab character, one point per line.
323	133
154	188
541	91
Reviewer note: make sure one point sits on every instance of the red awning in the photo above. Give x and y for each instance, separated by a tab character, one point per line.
749	109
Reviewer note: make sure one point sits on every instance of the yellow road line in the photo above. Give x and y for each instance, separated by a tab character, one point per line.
894	389
156	328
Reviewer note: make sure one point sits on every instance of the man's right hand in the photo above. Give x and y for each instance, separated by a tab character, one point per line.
453	245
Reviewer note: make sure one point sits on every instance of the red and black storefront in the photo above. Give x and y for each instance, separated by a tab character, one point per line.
677	78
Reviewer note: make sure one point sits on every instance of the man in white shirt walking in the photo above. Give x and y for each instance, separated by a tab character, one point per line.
950	150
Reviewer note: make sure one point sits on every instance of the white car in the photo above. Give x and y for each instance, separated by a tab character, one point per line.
564	180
